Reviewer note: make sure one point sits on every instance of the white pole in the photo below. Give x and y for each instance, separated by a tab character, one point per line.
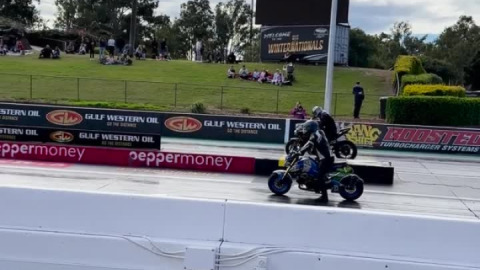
331	56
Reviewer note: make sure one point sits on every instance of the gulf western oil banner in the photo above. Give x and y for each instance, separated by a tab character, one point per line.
303	42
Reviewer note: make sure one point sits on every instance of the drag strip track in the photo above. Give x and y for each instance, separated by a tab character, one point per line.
433	188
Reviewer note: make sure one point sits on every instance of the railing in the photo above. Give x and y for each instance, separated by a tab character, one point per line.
175	96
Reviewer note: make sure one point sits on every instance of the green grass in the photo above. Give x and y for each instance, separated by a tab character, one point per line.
176	85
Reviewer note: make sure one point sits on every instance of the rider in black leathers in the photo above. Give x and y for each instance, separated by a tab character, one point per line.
319	146
326	123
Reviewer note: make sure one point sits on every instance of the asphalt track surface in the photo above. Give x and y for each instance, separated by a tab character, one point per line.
430	186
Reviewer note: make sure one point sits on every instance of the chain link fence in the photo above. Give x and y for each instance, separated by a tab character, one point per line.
176	96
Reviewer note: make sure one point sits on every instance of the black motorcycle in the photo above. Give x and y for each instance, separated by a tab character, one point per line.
342	147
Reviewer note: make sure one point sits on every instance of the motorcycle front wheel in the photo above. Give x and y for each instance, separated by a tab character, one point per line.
279	186
351	187
292	145
345	150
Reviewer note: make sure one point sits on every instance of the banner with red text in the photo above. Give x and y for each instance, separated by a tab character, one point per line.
124	157
414	138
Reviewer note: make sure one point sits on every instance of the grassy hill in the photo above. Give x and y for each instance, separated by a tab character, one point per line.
176	85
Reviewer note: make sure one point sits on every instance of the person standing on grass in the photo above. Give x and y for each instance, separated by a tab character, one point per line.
91	46
359	95
111	46
103	46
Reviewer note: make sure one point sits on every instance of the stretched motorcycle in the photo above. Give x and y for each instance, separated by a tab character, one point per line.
304	170
342	147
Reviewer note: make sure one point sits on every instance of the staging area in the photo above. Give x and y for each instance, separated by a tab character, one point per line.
424	187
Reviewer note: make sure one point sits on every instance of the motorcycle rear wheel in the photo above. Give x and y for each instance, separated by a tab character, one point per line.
345	150
351	187
279	186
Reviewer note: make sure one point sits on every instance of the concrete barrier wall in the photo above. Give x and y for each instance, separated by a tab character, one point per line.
42	229
353	232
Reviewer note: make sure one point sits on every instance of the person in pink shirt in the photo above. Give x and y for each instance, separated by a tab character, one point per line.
298	112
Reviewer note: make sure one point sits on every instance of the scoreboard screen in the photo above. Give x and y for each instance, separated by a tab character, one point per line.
299	12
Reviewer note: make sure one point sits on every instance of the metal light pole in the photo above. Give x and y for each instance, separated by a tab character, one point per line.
251	23
133	26
251	31
331	56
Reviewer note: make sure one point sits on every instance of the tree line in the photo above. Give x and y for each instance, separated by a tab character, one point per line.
454	55
225	26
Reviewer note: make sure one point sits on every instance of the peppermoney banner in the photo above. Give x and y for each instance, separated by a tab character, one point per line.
300	41
79	137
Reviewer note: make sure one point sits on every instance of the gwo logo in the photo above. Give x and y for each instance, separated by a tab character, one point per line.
183	124
61	137
64	118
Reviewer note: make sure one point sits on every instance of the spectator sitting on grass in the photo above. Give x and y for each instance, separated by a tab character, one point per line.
243	73
56	53
263	76
139	53
231	73
46	53
277	78
3	50
83	49
256	75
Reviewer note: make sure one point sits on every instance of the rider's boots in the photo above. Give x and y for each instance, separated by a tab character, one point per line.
321	187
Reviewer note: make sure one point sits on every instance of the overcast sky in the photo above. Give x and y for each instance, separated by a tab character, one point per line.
374	16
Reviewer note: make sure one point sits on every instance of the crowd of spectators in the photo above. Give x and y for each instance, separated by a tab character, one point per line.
279	77
15	47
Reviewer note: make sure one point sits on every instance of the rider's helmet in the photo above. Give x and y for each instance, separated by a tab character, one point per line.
310	127
317	111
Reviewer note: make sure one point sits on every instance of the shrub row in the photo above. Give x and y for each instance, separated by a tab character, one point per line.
437	111
411	65
429	78
434	90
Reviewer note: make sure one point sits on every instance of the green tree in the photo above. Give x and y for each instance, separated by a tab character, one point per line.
67	11
195	22
20	11
232	24
460	45
362	49
105	16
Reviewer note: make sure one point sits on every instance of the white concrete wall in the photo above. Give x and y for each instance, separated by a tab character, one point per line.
42	229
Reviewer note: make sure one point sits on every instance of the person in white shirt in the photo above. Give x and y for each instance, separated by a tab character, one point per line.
111	46
243	72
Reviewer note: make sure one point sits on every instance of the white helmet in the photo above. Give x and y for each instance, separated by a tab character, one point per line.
317	110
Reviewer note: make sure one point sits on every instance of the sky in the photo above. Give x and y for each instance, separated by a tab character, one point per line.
373	16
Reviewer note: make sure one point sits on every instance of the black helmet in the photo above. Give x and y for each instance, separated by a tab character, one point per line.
310	127
317	111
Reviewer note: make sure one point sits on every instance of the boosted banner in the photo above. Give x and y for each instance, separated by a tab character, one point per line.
210	127
28	115
409	138
79	137
413	138
301	41
126	158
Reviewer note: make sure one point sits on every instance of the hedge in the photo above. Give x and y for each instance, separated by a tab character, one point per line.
421	79
436	111
411	65
434	90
